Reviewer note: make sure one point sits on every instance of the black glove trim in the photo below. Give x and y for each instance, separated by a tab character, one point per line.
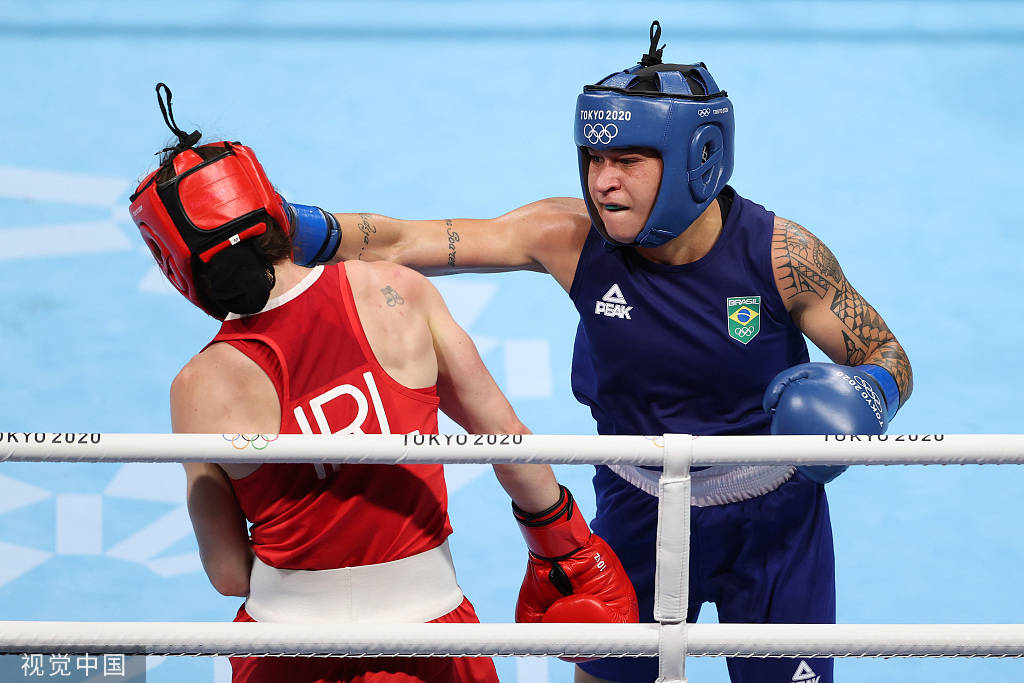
563	507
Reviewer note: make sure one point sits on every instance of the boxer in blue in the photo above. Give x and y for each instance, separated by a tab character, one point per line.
694	303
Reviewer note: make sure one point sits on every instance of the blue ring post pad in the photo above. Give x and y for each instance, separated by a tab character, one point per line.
890	389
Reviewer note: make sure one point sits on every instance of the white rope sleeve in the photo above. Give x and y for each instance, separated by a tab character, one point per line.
912	449
857	640
351	640
886	449
336	448
672	573
516	640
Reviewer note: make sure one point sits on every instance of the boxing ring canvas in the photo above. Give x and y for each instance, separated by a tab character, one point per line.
888	129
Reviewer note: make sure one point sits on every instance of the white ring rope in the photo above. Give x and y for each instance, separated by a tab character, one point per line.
671	639
509	640
926	449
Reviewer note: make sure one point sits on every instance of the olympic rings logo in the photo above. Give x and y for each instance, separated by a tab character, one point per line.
658	441
704	113
242	441
745	331
600	133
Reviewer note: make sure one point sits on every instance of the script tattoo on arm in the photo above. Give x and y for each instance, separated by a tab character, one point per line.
392	297
809	275
453	237
367	228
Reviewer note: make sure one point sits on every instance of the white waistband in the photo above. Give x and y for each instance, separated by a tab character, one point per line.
716	485
414	589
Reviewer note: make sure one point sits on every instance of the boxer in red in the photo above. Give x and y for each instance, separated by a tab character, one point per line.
356	348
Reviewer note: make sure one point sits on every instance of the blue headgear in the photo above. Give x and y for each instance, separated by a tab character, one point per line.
676	109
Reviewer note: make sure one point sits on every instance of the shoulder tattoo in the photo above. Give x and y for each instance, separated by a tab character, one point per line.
805	263
392	297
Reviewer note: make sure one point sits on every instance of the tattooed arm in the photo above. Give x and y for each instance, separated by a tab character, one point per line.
545	236
826	307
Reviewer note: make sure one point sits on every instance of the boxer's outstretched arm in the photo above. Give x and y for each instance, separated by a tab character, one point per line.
545	236
826	307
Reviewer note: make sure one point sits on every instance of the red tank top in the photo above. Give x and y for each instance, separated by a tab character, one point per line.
311	344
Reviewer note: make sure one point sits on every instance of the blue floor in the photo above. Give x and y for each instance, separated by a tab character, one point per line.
890	129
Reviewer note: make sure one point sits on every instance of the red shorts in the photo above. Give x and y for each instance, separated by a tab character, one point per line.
368	670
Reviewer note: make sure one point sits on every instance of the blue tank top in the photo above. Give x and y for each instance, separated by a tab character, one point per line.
682	349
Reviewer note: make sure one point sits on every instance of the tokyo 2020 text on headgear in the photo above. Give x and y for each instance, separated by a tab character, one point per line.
674	109
206	207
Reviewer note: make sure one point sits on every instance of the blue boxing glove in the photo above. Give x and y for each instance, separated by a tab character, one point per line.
822	398
315	234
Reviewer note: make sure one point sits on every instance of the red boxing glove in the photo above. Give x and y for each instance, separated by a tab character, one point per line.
572	574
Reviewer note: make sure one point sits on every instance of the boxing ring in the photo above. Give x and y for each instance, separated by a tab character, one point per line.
670	638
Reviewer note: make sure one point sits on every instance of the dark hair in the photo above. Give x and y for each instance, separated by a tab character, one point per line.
237	279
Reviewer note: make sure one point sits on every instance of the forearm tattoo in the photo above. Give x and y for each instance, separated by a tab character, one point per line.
892	357
392	297
453	239
367	228
808	267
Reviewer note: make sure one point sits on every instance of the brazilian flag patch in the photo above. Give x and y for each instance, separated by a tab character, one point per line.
743	315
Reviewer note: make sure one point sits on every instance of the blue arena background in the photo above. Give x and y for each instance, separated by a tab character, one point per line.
890	129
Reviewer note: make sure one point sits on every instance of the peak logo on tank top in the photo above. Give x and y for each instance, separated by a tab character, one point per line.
613	304
743	316
805	674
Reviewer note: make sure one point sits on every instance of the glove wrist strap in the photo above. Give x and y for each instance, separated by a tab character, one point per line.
556	532
890	390
315	234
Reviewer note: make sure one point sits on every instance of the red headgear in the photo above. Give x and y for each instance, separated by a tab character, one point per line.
205	208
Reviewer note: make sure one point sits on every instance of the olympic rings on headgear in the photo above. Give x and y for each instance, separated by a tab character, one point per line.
258	441
600	133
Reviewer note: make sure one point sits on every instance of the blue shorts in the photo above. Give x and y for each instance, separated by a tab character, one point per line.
764	560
